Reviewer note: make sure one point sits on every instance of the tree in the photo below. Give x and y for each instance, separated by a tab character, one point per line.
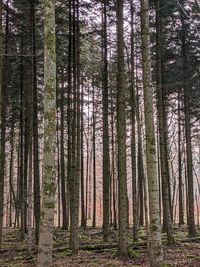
133	130
36	174
3	110
62	157
180	187
106	156
155	249
191	222
121	137
167	220
75	145
49	173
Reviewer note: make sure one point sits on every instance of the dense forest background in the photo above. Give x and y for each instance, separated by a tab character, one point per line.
100	129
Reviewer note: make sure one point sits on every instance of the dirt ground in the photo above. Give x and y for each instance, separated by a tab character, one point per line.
95	253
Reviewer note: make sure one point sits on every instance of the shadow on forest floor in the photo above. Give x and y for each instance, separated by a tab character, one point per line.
95	253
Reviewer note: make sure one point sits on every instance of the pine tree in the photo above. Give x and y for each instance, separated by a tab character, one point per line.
45	246
106	156
121	137
155	249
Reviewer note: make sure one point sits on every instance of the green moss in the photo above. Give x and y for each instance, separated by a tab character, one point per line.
132	254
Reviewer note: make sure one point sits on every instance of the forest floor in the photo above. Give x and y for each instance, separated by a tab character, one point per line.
95	253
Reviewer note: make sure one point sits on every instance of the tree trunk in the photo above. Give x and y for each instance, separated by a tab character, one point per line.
87	160
27	137
12	197
140	165
30	167
21	187
74	174
94	161
83	219
191	221
167	220
62	158
113	166
156	253
121	135
106	156
180	186
133	130
69	103
36	174
49	172
58	165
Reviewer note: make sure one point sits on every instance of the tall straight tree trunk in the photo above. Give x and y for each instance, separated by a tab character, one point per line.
58	157
78	146
21	188
191	221
18	179
29	198
74	174
180	186
106	156
87	159
58	166
186	184
30	164
78	126
155	249
83	219
62	157
94	161
26	148
167	220
69	101
113	165
36	174
49	172
121	135
3	111
140	165
141	189
159	171
133	130
12	196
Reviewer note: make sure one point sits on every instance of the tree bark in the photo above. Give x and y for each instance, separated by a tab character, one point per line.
49	172
167	220
121	135
106	156
83	218
180	186
191	221
133	131
62	157
94	159
36	174
74	174
156	252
